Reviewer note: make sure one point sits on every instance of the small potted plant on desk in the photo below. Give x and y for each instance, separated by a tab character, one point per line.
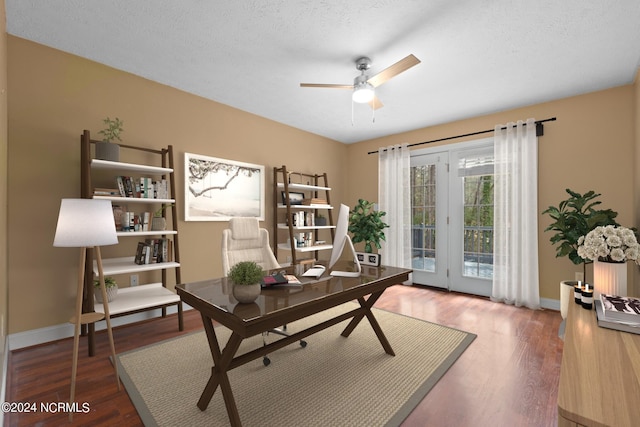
366	225
111	287
107	149
246	276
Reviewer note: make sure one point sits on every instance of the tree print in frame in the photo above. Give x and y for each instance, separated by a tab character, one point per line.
218	189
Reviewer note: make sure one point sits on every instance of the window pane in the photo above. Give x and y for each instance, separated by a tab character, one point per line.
423	187
478	226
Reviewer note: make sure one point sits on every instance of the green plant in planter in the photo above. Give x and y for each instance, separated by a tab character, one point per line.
366	225
158	213
113	130
574	218
246	273
111	288
109	282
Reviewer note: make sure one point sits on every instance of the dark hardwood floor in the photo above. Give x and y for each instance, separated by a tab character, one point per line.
507	377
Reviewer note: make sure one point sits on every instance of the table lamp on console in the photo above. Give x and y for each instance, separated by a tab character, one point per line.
86	224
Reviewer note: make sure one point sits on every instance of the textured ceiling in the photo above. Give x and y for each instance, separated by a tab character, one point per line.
478	57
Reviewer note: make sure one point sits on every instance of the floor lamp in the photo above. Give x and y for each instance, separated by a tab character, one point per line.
84	224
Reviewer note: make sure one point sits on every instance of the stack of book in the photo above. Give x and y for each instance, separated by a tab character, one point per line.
620	313
153	251
314	201
144	188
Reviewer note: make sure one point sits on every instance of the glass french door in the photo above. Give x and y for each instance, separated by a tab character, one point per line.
452	217
429	219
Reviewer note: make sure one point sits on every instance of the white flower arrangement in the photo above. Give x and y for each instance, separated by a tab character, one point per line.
610	244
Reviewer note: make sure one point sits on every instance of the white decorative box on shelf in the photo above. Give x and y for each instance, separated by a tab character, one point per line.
139	298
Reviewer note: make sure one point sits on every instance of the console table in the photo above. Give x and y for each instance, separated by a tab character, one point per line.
276	307
600	374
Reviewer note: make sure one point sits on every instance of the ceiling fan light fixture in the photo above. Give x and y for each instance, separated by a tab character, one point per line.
362	93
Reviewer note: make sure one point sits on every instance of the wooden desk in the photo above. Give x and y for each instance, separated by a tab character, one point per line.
211	298
600	374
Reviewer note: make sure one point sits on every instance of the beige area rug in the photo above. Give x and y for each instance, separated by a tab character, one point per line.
334	381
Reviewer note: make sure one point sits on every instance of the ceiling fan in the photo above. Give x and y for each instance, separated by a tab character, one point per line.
363	86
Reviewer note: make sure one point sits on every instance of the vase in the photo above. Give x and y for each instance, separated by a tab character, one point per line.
112	292
246	293
158	223
107	151
609	278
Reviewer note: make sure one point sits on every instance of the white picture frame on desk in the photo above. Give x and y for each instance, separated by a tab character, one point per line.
219	189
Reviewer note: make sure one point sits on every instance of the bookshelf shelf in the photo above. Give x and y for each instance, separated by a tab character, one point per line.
140	298
117	199
145	233
124	265
97	164
159	168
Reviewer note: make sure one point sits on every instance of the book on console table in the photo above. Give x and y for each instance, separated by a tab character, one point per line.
632	327
622	309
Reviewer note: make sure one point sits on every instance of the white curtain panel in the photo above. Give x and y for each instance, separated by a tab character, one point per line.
394	198
515	221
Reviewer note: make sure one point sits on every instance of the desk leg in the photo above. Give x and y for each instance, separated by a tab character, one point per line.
221	362
366	307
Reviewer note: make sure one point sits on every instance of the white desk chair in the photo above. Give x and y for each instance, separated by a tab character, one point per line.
244	240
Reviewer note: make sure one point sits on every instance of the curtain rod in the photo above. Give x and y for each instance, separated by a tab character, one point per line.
539	132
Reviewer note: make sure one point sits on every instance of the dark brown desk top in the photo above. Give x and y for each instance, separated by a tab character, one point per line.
215	297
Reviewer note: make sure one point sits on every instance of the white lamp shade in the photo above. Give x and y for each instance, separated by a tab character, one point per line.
362	93
85	223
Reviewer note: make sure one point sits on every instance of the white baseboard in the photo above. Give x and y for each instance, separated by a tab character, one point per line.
58	332
551	304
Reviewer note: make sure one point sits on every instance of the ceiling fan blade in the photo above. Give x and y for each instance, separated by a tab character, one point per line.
375	103
392	71
326	85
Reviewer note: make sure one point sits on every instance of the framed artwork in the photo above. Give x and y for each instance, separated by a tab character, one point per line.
219	189
294	198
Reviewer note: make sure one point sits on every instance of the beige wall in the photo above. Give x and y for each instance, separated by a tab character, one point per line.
3	176
589	147
54	96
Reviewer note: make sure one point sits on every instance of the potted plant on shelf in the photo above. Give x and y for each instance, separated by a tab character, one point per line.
366	225
107	149
111	287
246	276
574	218
159	222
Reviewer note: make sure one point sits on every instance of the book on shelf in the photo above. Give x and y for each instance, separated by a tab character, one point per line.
141	253
121	189
621	309
106	191
603	322
314	201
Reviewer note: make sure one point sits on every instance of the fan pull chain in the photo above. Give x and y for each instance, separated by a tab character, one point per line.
352	112
373	109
